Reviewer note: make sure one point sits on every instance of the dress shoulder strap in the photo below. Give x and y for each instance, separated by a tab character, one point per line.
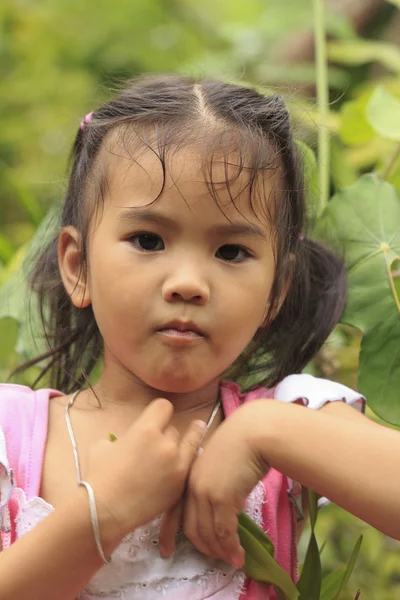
23	429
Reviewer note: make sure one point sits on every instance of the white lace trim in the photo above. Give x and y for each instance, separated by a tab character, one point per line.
255	502
30	512
137	572
6	485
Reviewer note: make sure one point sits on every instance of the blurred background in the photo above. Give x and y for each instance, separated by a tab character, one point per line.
60	60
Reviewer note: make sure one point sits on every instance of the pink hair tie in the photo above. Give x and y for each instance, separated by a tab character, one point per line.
85	122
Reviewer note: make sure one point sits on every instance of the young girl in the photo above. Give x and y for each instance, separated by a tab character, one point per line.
182	256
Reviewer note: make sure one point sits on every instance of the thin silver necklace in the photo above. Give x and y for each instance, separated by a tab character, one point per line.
72	436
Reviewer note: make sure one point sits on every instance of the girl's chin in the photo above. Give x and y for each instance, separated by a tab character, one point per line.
181	385
174	387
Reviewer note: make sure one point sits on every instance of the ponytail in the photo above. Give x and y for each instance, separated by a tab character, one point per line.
311	309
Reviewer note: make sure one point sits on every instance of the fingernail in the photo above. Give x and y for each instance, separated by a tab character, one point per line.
201	424
237	561
166	551
163	552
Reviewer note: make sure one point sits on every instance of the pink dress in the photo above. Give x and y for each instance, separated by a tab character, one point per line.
137	572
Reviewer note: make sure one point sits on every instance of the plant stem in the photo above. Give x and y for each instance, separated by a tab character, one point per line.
387	169
323	102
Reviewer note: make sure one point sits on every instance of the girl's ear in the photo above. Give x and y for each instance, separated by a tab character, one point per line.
72	268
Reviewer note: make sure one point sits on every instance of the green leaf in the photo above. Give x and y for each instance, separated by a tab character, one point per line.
8	337
354	126
395	2
350	567
17	301
322	548
395	272
259	562
6	249
313	508
361	52
343	172
309	584
334	583
300	72
363	220
393	176
383	114
379	371
256	531
331	584
12	269
112	437
24	195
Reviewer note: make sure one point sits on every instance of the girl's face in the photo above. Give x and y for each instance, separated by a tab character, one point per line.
178	286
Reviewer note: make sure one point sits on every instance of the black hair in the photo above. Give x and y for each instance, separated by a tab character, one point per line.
166	112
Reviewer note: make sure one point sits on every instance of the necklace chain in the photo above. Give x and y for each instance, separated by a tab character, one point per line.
72	436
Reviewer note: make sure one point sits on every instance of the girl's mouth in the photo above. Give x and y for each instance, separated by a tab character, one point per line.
181	329
180	333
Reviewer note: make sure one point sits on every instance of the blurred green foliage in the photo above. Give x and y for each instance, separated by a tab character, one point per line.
60	60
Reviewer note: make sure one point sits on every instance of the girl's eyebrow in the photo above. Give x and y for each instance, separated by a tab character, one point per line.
151	217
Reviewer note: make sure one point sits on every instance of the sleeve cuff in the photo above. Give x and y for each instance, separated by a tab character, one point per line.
315	392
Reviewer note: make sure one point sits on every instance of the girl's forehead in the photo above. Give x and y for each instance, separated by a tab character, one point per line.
189	178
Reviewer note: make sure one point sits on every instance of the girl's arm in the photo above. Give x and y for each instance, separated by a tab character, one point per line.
334	451
59	556
134	479
338	453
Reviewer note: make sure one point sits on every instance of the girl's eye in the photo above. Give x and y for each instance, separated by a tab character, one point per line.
232	253
147	241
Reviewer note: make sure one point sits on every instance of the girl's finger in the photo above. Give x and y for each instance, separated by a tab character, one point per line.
190	520
170	523
159	413
191	441
226	532
172	433
206	529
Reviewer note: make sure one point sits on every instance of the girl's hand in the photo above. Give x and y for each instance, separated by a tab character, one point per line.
220	481
144	472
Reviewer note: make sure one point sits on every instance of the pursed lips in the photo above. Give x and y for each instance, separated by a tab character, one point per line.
181	329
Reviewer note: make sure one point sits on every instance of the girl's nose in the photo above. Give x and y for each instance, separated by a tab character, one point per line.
186	285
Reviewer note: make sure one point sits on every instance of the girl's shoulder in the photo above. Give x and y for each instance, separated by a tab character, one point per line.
18	407
23	428
305	389
20	404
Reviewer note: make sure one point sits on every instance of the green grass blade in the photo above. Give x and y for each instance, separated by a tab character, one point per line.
309	584
350	567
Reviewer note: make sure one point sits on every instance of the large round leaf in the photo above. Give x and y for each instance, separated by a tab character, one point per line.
364	220
383	114
354	127
17	301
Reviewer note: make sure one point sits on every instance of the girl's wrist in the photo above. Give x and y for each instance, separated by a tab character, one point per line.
266	421
111	529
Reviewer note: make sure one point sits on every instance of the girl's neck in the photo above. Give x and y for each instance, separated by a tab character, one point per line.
120	391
